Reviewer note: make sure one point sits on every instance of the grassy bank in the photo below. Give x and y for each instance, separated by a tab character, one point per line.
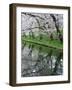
51	43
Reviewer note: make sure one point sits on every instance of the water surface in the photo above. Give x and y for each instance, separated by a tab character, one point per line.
38	60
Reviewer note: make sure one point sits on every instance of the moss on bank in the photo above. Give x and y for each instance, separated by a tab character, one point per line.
51	43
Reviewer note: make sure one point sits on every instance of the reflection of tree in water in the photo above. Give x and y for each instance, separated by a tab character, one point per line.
58	64
36	61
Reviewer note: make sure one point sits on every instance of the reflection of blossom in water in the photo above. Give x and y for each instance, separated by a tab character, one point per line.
41	61
34	71
34	54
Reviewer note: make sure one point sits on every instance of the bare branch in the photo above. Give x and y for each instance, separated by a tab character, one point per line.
34	28
54	19
33	15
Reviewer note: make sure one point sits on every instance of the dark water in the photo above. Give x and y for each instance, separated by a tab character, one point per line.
37	60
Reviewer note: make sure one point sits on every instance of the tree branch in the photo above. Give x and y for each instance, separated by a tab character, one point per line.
54	19
34	28
33	15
